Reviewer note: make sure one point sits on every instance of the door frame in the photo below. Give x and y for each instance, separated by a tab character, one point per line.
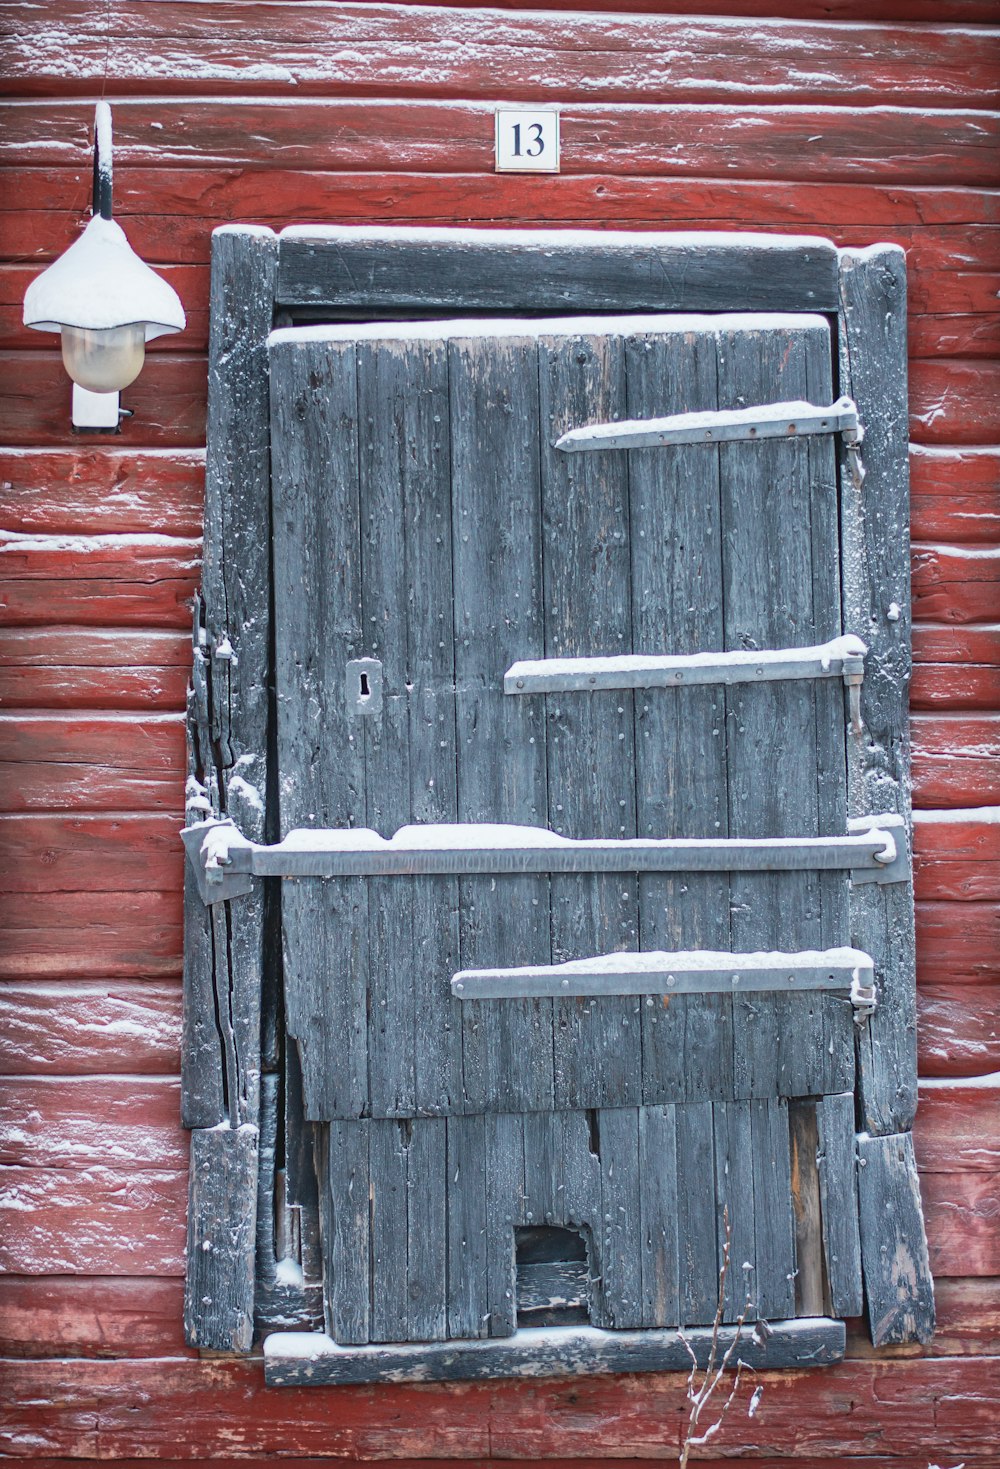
231	1064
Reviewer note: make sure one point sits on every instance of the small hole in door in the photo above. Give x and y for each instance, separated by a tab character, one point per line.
366	691
553	1276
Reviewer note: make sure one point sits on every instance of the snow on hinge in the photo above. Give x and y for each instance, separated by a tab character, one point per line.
691	972
840	658
762	421
224	860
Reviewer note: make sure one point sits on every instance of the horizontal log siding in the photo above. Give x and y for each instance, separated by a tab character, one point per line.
846	120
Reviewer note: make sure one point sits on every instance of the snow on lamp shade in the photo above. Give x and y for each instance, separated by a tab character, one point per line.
106	303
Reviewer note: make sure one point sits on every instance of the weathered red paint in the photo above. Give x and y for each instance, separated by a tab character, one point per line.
765	124
92	1028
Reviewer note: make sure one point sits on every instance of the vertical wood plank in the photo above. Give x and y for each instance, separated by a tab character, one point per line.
876	574
282	1302
387	1173
658	1209
772	1195
833	1071
676	544
299	1162
235	582
582	1195
696	1214
507	1045
505	1211
221	1239
203	1099
771	730
430	681
735	1199
899	1292
426	1231
468	1283
621	1257
347	1248
203	1079
589	738
544	1178
806	1211
839	1202
317	577
397	450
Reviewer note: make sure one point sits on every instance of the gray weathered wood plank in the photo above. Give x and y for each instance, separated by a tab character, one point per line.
388	1174
544	1170
581	1206
394	269
314	420
389	391
219	1286
589	742
621	1254
431	697
468	1242
767	495
203	1100
505	1212
507	1046
348	1245
658	1215
540	1352
772	1197
427	1230
734	1185
675	531
299	1171
806	1208
834	1021
233	695
876	576
839	1202
696	1214
281	1302
899	1291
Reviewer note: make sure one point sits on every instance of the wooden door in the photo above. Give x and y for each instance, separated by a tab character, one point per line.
428	534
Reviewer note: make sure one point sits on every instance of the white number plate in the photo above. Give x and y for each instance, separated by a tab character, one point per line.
527	140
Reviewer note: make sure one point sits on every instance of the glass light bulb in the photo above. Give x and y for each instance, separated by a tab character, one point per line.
104	361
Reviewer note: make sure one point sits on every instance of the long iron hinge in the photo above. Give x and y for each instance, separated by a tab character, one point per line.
842	657
694	972
225	862
795	419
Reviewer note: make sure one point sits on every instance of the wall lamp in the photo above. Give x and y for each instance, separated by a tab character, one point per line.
103	300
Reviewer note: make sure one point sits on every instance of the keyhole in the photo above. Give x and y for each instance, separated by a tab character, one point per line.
366	692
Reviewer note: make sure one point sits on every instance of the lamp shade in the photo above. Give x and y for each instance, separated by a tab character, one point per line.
100	283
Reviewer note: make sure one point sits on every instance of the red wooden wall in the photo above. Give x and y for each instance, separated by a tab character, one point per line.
863	120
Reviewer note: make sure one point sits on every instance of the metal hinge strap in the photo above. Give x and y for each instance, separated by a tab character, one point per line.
796	419
697	972
842	657
224	860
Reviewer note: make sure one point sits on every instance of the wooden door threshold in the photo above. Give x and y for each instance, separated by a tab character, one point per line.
301	1358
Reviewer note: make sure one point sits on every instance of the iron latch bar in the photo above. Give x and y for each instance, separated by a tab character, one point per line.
796	419
842	657
225	861
694	972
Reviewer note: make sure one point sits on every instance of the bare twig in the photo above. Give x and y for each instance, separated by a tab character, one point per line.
700	1393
